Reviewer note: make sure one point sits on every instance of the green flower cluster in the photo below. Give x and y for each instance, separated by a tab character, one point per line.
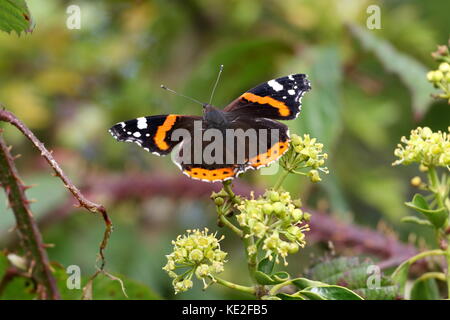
441	75
440	78
425	147
197	253
274	220
305	152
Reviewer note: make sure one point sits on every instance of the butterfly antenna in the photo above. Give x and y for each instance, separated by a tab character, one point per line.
215	84
181	95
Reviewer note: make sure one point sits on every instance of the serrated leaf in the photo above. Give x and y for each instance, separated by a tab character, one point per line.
411	72
15	16
425	290
437	216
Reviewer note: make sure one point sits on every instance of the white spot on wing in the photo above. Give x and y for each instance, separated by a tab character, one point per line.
142	123
137	134
291	92
275	85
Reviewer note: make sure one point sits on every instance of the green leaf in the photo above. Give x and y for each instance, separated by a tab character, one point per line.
332	292
412	219
311	295
264	279
354	275
266	265
15	16
437	217
19	289
280	276
303	283
425	290
295	296
317	290
410	71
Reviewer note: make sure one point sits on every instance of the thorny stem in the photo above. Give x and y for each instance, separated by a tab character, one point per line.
29	233
82	200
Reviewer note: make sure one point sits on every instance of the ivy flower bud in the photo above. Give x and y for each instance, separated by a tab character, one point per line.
444	67
219	201
279	209
297	215
267	208
196	255
202	271
314	176
437	76
416	181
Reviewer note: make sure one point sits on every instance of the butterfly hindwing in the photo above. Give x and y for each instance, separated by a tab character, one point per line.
275	99
154	133
257	142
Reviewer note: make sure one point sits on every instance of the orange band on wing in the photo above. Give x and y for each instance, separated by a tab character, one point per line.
282	108
161	133
210	175
271	155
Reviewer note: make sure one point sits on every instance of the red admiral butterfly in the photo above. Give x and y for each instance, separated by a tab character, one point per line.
257	109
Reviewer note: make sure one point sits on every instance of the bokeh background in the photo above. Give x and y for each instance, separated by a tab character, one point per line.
70	86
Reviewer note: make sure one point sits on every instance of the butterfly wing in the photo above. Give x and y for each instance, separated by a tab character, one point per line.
255	143
155	133
275	99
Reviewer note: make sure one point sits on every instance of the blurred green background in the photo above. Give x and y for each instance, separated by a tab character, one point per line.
70	86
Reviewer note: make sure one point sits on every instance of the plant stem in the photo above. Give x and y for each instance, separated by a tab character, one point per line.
432	275
251	258
231	285
28	231
277	287
228	224
436	252
281	180
93	207
229	191
435	186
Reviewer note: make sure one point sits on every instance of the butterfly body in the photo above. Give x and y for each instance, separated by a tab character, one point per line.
221	144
